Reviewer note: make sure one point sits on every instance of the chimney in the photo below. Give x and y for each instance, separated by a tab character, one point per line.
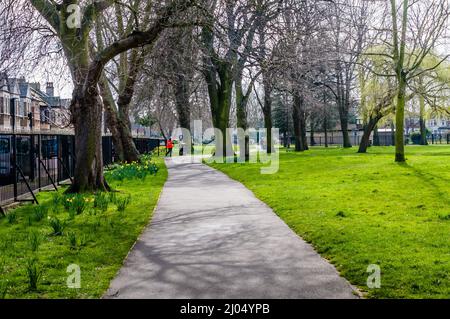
50	89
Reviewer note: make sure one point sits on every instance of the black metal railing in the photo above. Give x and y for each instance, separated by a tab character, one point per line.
29	163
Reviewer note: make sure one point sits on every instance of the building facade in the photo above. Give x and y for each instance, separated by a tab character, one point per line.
25	108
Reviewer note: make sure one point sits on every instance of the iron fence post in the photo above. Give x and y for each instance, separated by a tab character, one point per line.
14	164
39	161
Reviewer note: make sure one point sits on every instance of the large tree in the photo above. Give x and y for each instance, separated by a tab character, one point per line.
117	84
227	44
412	40
73	23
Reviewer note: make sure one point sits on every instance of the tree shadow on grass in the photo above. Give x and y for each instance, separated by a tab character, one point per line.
429	180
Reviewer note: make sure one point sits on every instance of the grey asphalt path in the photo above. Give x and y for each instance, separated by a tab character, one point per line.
210	237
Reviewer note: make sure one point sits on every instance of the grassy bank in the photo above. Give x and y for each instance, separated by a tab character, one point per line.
95	235
362	209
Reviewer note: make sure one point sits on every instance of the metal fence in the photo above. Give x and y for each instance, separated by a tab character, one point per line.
29	163
439	138
383	139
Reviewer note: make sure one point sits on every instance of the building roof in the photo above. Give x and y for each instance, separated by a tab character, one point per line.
13	86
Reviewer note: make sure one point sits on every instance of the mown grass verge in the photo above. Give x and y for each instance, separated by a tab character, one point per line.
362	209
38	244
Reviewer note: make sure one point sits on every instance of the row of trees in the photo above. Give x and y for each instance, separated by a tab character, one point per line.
233	62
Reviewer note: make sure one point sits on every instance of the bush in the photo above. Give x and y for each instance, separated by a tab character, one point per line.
415	138
34	274
57	226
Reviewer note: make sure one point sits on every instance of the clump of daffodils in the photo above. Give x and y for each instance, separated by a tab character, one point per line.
134	170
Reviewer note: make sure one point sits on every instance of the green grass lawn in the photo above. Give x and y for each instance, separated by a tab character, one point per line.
361	209
96	241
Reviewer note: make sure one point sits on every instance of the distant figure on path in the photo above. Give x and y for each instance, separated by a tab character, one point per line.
169	146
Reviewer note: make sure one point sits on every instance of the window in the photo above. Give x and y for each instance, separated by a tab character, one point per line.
21	108
4	146
5	106
1	105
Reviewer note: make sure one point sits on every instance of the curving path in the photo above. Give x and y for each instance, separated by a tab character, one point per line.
210	237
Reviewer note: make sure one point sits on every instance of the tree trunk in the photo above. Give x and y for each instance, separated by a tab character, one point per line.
268	126
111	119
299	122
343	117
368	128
182	103
312	140
285	139
119	125
220	100
303	130
86	111
400	120
267	111
376	136
325	129
130	152
241	114
118	120
423	128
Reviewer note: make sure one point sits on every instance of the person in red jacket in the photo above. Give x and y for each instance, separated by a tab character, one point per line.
169	146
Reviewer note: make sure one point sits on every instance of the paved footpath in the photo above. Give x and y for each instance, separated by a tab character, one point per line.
210	237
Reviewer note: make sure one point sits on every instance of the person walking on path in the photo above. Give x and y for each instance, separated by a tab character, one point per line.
169	146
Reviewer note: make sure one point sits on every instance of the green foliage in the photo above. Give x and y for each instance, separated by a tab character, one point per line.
444	216
57	199
39	213
341	214
146	121
122	203
57	226
101	202
34	240
67	200
79	203
11	217
72	239
136	170
7	243
112	196
403	226
103	240
4	286
416	137
34	273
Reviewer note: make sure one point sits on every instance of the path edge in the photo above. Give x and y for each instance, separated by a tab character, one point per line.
105	295
355	289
